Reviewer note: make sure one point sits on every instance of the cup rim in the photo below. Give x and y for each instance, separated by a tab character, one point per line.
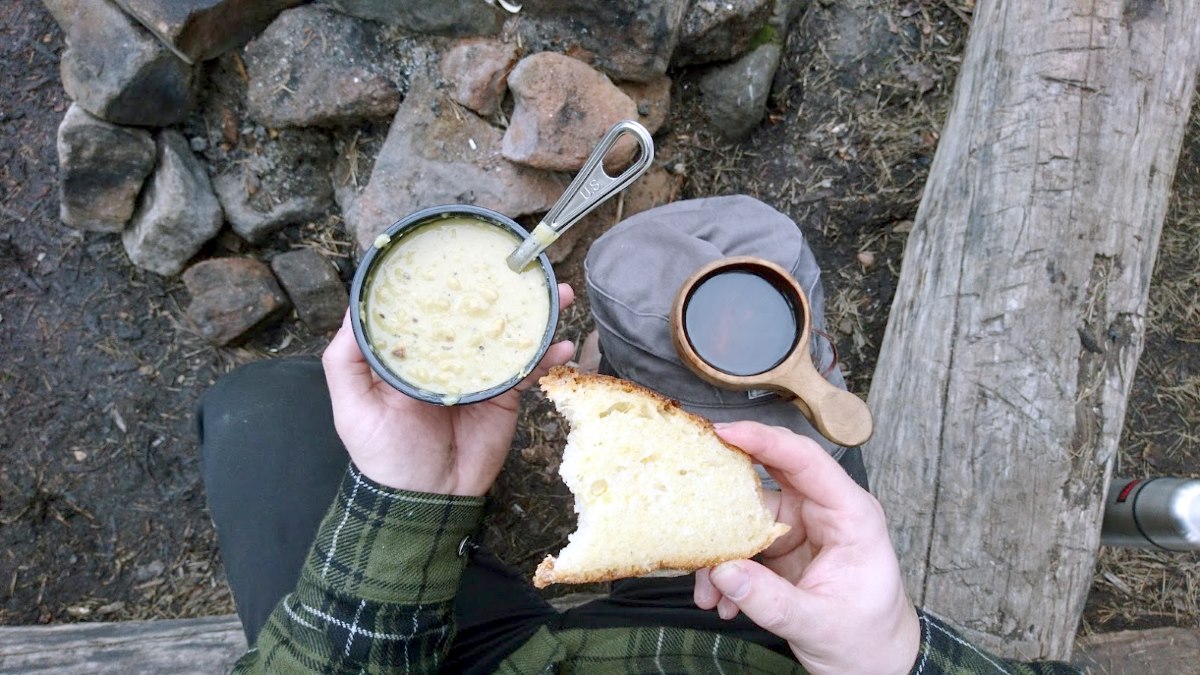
395	233
771	272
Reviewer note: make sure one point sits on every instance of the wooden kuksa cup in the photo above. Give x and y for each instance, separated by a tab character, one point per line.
839	415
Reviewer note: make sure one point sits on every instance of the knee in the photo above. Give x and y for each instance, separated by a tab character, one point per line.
256	388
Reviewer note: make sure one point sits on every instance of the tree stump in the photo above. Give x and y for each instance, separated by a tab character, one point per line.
1018	321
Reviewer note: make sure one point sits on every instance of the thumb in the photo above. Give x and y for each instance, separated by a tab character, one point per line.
766	598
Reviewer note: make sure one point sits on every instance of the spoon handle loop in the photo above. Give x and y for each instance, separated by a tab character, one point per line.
591	187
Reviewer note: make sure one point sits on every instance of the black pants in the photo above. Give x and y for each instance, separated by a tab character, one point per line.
272	465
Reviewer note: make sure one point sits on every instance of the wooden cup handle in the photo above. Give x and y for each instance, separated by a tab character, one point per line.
838	414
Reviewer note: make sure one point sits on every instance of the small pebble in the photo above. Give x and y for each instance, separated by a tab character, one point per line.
198	143
866	258
122	366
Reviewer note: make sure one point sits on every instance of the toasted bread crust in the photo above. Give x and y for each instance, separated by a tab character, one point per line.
566	381
563	377
546	574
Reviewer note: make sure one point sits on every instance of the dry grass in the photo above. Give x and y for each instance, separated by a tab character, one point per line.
1144	588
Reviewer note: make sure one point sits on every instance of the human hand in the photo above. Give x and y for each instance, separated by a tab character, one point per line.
408	444
831	586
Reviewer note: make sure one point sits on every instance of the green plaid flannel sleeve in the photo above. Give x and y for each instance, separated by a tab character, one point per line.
376	593
945	652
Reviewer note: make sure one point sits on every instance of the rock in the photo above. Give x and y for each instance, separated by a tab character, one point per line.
434	156
784	13
477	69
198	30
232	298
177	212
653	101
563	108
118	71
347	198
242	206
101	168
628	39
719	31
656	188
456	18
735	94
316	67
312	284
286	182
356	150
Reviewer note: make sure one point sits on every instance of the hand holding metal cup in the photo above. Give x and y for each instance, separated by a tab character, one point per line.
447	305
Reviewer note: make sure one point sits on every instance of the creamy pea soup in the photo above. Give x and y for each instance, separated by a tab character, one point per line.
446	314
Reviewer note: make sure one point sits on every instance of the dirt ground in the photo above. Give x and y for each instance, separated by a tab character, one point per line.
102	511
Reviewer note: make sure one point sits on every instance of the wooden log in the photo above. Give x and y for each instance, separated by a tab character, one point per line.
1138	652
1018	320
207	645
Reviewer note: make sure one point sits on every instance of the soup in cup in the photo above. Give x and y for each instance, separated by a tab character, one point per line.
440	315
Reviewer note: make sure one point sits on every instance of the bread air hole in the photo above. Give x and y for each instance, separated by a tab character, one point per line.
620	406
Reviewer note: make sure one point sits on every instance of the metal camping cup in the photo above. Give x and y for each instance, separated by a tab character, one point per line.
590	188
744	323
365	275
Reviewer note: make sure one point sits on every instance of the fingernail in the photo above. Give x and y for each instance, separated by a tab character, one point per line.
726	609
731	580
720	425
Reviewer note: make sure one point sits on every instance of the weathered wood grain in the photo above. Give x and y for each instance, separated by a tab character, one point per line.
1138	652
1018	321
208	645
211	645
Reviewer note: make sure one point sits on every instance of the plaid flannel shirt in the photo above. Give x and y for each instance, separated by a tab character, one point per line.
376	595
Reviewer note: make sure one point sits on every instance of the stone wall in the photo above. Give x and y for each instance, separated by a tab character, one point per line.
196	120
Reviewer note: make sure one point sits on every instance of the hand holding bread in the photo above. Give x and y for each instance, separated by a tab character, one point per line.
656	490
832	584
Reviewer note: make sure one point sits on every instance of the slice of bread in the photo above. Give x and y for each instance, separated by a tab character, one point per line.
656	490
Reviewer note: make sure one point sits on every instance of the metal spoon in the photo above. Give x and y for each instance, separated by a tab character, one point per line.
592	185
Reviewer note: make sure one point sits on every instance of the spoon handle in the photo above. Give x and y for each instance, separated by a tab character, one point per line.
592	185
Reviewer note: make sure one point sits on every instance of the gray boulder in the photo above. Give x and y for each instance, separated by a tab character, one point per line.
435	156
477	69
232	298
628	39
101	168
313	285
455	18
118	71
198	30
735	94
563	108
719	31
177	212
286	182
316	67
653	101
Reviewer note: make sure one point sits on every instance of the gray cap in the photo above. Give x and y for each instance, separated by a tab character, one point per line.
634	271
